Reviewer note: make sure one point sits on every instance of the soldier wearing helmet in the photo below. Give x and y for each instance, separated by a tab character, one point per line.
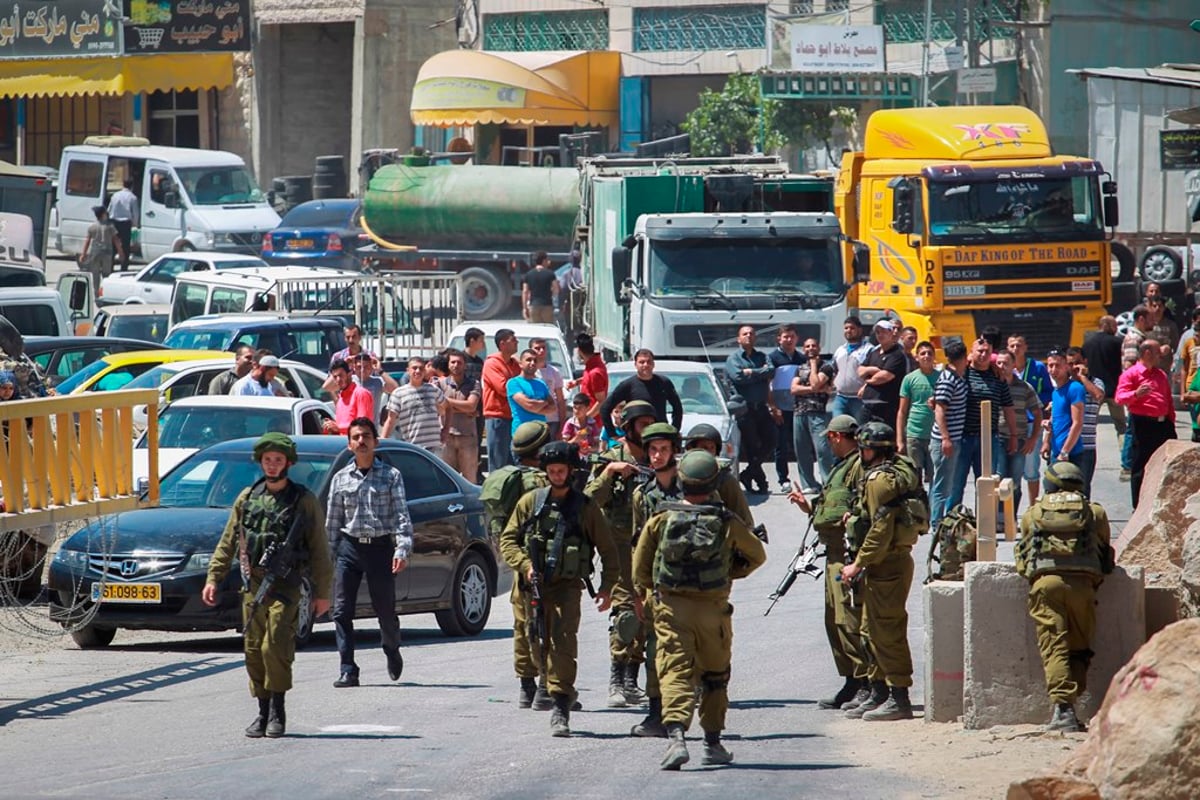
263	516
563	528
1064	553
611	487
707	438
893	511
687	556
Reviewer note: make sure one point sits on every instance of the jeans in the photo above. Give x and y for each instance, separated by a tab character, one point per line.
917	451
1117	412
945	472
1012	465
849	405
1127	446
785	448
499	440
972	452
352	562
1087	465
808	434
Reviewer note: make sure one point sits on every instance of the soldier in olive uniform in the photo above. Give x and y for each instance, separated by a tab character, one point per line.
527	440
1064	553
263	516
687	555
662	444
893	512
839	497
611	488
568	527
707	438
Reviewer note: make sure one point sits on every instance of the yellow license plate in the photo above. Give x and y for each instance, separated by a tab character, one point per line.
126	593
299	244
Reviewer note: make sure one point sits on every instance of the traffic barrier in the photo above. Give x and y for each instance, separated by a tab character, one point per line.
69	458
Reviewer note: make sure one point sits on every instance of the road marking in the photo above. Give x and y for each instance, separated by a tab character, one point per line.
360	729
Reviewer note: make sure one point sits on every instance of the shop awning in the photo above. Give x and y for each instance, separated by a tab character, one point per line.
465	87
79	76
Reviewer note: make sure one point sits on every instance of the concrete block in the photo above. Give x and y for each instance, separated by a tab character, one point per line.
1003	679
943	606
1162	609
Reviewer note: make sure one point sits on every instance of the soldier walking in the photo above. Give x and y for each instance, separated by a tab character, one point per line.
1064	553
262	520
688	554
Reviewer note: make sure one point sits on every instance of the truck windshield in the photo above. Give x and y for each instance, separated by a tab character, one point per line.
1014	210
212	186
744	266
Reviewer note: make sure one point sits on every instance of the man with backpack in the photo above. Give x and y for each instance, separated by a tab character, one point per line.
551	537
893	513
1064	553
688	555
501	491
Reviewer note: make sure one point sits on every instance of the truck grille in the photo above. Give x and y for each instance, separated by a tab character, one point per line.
135	566
724	337
1043	328
251	239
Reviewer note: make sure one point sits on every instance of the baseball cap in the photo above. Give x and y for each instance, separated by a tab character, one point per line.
268	361
887	325
842	423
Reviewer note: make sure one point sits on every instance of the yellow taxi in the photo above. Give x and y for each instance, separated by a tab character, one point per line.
117	369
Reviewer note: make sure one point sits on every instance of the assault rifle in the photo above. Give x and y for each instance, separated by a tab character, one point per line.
804	562
276	564
644	471
538	622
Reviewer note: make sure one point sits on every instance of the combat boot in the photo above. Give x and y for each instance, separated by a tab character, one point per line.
542	701
860	697
844	695
651	727
277	721
528	691
714	751
634	696
1064	719
878	696
898	706
259	727
616	686
560	716
677	754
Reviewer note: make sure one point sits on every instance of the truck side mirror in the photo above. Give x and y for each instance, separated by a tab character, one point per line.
902	202
622	259
171	200
862	262
1112	215
79	296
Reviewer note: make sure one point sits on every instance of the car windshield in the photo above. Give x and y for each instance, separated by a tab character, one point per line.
214	480
147	327
319	215
212	186
691	267
1014	210
697	391
82	376
206	339
152	378
201	426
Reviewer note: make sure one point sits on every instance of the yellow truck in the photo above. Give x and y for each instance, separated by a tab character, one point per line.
973	221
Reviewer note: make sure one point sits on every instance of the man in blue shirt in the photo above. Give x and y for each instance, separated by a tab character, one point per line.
785	358
750	372
528	396
1065	440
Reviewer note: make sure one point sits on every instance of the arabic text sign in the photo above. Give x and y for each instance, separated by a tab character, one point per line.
187	26
837	48
58	28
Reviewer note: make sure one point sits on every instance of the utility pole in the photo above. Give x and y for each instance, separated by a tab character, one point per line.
925	54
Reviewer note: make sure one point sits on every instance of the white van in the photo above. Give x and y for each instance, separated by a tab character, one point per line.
241	289
189	199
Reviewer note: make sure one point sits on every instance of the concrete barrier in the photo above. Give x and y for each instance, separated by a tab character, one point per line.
943	605
1003	681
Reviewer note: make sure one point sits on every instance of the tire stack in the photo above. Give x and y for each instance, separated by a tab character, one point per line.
297	189
277	197
329	178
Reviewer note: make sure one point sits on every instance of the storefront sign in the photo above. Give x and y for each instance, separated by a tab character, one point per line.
187	26
60	28
1179	149
837	48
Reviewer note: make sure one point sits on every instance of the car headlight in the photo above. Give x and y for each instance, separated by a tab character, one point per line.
221	238
75	560
198	562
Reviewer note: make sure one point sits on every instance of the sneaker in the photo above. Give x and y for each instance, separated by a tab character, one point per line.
785	486
1125	476
879	696
891	710
859	698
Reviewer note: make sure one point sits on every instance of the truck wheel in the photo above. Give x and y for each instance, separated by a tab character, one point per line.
1127	264
1161	264
487	293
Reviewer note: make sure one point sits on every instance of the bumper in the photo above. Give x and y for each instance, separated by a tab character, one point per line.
181	608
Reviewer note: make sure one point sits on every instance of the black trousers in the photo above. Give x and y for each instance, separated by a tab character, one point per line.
1148	435
785	448
352	562
758	440
125	234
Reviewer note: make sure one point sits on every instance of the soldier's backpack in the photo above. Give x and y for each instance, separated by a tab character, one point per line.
953	545
1061	538
691	549
501	491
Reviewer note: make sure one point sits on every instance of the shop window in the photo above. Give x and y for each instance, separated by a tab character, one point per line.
53	123
555	30
700	28
174	118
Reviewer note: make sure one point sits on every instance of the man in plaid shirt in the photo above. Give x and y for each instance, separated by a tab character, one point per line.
367	522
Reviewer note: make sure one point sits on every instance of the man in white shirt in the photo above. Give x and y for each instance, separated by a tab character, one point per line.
260	381
123	211
554	380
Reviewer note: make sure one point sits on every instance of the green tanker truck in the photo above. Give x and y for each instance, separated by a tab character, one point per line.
483	222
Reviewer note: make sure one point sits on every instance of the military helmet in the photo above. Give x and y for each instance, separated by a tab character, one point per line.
529	437
634	409
559	453
279	442
660	430
877	436
699	472
703	433
1065	475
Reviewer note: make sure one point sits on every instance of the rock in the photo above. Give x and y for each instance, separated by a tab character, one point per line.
1053	787
1145	742
1163	535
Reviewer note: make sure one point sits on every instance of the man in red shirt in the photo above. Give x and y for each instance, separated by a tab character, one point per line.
594	382
352	400
497	416
1145	390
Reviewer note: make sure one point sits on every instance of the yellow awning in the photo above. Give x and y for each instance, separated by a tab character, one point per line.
79	76
465	87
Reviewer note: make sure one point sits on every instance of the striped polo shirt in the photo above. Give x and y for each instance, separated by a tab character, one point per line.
951	392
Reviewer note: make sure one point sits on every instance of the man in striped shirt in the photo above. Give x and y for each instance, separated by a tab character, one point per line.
949	415
415	410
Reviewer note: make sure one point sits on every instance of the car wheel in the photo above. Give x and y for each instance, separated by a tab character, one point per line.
90	636
185	247
486	293
470	599
305	618
1161	264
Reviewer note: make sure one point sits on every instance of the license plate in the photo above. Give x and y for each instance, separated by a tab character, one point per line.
126	593
299	244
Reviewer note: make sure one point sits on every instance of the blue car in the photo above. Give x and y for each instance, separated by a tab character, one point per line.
319	233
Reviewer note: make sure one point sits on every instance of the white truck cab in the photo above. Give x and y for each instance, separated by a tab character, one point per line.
189	199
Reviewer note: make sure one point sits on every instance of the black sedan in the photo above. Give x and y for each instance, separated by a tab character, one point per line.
145	569
319	233
60	357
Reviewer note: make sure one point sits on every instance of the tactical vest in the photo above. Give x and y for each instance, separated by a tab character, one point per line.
619	511
692	550
650	498
569	557
266	519
1062	540
503	488
837	499
908	501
